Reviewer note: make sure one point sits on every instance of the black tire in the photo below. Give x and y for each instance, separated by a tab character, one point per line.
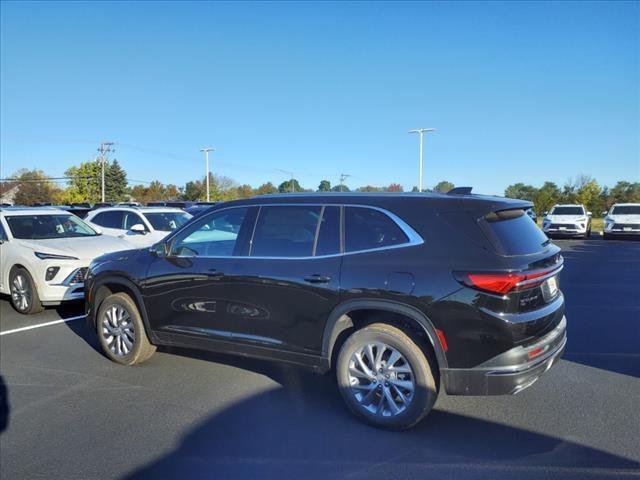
426	388
141	348
22	277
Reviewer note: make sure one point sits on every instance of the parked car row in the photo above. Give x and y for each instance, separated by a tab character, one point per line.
398	294
573	220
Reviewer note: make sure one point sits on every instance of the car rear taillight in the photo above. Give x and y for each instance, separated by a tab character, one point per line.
505	282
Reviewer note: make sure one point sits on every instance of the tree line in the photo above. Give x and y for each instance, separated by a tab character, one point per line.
83	185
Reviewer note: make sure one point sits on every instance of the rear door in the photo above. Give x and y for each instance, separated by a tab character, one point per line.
290	281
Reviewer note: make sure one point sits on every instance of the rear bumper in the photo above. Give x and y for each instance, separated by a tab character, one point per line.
510	372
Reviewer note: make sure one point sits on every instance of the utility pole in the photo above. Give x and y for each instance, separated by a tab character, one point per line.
292	187
343	177
104	150
421	132
206	160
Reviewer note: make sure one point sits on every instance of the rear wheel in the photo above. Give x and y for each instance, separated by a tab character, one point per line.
24	294
385	378
121	330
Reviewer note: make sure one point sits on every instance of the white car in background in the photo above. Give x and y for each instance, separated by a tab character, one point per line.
622	219
44	255
140	226
567	220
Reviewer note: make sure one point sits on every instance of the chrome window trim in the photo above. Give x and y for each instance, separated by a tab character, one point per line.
413	236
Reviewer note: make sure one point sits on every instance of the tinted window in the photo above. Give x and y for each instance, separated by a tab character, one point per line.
167	221
329	233
213	235
285	231
626	210
3	235
567	211
41	227
366	228
110	219
515	233
131	219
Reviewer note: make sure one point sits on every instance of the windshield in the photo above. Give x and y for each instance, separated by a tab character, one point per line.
567	211
626	210
167	221
41	227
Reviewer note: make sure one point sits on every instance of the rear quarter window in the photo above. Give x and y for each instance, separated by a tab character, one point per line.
514	233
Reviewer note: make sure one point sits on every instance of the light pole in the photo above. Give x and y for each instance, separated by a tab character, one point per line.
343	177
421	132
206	161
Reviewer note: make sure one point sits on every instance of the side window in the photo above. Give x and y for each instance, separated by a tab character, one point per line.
215	235
366	228
109	219
131	219
285	231
328	242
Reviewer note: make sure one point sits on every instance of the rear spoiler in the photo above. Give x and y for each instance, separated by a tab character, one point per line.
460	191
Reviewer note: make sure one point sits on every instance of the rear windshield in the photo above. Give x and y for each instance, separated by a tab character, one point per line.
626	210
514	233
567	211
167	221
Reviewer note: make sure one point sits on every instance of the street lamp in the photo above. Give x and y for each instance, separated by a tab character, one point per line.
421	132
206	159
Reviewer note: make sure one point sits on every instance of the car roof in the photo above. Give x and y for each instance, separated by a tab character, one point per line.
387	200
626	205
26	211
138	209
569	205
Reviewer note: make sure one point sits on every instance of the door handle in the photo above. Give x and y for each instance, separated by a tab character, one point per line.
317	278
215	273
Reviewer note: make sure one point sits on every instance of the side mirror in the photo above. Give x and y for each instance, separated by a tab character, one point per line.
589	213
138	228
604	214
160	249
546	213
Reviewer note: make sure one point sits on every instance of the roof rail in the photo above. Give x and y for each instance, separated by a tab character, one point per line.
460	191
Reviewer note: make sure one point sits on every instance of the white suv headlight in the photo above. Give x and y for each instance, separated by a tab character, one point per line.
53	256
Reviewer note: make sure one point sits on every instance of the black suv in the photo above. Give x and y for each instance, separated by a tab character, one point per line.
397	294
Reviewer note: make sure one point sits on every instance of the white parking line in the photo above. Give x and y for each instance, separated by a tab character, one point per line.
31	327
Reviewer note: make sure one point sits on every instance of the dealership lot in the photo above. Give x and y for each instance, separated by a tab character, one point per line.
183	414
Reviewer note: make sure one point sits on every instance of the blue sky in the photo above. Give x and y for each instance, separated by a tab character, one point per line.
517	91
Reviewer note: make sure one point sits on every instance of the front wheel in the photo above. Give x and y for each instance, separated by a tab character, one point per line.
24	294
121	331
385	378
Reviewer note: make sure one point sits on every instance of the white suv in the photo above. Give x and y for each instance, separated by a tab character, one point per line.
44	255
140	226
567	220
622	219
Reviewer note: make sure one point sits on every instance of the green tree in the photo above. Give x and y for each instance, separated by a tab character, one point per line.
115	182
548	195
245	191
625	192
193	191
266	189
325	186
86	179
443	187
394	187
521	192
289	186
370	188
414	189
34	187
588	194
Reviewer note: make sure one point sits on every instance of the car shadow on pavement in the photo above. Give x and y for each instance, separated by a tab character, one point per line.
304	433
4	405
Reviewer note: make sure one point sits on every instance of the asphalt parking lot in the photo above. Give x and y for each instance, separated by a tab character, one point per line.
74	414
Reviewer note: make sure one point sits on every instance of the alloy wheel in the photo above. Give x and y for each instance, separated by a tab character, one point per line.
118	331
381	379
21	292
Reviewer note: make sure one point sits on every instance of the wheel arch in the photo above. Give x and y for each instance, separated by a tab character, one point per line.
341	322
103	287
